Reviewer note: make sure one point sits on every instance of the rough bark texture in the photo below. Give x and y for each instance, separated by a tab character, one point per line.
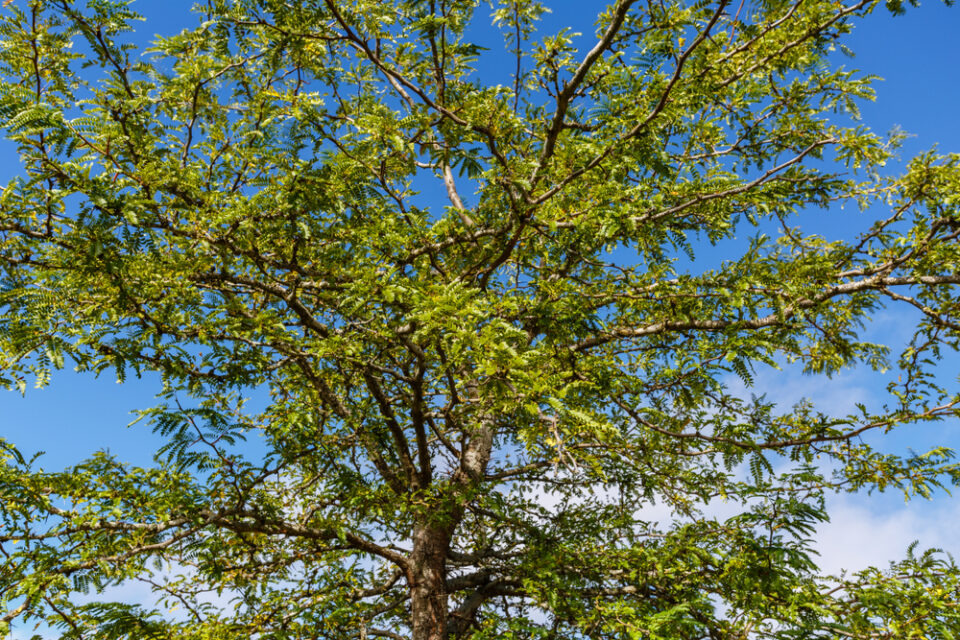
428	593
431	543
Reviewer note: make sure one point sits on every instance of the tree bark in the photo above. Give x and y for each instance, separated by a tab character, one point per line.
432	537
428	592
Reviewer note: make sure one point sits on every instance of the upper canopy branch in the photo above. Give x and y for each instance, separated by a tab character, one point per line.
571	86
875	283
394	76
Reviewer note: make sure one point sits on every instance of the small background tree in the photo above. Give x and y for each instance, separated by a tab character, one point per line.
470	407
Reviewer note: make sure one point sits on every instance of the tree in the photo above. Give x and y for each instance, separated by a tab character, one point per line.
469	406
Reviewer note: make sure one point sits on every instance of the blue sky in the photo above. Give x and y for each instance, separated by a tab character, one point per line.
917	54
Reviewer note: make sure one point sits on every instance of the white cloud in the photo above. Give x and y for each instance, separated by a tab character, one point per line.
837	396
874	530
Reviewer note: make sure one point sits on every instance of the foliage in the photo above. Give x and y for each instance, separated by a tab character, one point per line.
472	411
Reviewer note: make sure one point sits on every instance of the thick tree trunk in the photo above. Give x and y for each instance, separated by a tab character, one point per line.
428	593
431	542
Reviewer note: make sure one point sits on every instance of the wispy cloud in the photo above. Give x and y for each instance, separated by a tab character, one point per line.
874	530
868	530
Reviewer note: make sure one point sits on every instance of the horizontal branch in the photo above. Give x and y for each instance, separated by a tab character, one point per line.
877	282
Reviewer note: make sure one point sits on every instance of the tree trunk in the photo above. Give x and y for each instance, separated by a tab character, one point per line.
428	593
431	542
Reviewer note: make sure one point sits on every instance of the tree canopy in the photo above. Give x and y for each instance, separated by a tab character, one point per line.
477	296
